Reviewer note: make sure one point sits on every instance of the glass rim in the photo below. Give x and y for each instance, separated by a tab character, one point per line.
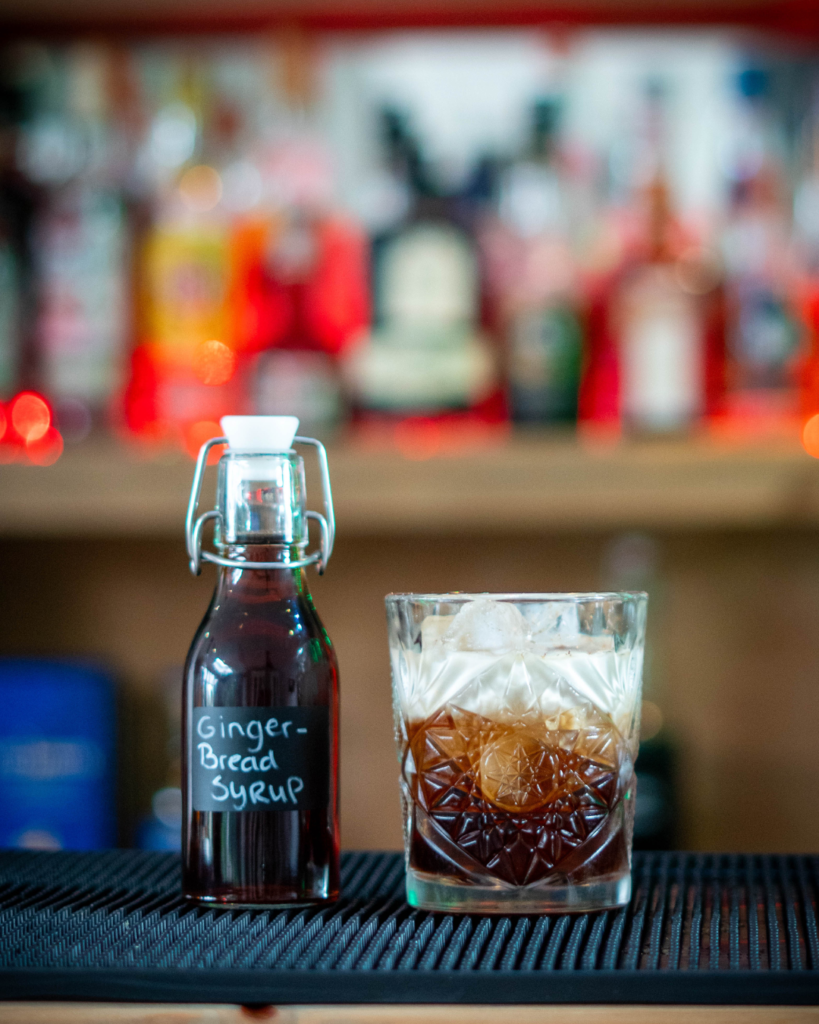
575	597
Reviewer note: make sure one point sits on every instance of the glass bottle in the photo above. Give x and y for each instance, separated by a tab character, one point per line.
806	239
765	344
544	328
427	356
260	695
657	311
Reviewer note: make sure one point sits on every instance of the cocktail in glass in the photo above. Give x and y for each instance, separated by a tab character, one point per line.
517	720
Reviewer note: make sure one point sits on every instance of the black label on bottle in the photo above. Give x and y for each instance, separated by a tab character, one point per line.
260	759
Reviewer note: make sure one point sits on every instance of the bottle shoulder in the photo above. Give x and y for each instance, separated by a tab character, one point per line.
295	618
268	660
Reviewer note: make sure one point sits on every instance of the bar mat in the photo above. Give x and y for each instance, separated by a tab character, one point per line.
701	928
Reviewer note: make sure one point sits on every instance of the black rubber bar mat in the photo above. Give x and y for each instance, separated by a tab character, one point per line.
700	929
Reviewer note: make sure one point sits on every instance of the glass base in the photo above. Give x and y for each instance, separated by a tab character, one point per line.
273	903
434	892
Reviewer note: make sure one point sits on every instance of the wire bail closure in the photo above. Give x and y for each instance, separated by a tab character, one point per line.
194	526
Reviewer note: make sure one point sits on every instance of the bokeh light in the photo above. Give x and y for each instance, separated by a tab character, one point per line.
173	135
197	433
651	721
200	188
215	363
30	416
9	451
46	449
810	436
418	439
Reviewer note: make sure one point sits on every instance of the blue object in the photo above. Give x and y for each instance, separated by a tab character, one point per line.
57	769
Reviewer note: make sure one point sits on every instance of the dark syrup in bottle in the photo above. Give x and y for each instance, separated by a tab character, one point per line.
263	628
260	709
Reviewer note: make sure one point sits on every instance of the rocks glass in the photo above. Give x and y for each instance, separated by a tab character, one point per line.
517	721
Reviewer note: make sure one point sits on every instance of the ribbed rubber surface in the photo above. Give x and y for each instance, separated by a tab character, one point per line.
700	928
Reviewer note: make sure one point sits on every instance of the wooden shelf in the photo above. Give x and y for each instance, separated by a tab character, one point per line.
529	484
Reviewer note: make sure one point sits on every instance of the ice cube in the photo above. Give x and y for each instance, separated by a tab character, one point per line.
487	625
554	624
592	675
516	771
433	629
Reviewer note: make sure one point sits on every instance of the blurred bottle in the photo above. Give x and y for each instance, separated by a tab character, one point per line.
184	373
305	274
11	285
311	280
764	345
631	561
656	313
20	198
806	238
81	260
57	768
427	355
544	330
10	240
71	149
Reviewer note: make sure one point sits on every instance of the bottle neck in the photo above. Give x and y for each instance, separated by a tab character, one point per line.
263	584
660	221
260	499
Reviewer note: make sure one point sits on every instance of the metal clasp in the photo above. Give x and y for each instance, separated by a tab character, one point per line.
194	526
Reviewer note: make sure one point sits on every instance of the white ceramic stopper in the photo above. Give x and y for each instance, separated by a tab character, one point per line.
260	434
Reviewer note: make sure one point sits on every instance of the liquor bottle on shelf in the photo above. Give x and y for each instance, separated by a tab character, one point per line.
71	150
185	373
11	286
81	258
427	355
260	698
301	267
311	279
806	238
540	300
18	202
764	342
656	311
661	334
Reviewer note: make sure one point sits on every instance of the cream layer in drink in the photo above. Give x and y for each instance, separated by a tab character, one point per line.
492	661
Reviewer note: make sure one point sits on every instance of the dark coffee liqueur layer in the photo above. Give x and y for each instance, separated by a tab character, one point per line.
518	801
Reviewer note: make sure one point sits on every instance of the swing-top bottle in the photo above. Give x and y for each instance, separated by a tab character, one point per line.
260	698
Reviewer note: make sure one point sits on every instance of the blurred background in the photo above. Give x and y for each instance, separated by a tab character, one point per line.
546	282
